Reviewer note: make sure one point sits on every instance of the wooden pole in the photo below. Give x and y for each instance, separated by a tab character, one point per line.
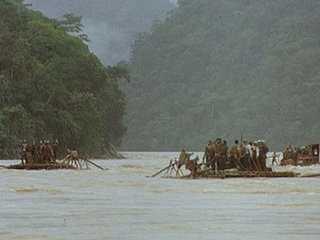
157	173
95	164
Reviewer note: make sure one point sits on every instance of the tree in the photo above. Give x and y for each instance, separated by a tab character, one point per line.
52	87
72	24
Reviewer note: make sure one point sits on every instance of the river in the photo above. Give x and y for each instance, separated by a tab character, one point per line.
122	203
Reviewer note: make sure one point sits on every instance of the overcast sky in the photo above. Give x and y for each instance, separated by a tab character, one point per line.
111	33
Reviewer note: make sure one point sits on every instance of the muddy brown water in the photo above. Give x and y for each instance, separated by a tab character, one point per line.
121	203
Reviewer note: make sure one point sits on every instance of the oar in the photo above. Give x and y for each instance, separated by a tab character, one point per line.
157	173
95	164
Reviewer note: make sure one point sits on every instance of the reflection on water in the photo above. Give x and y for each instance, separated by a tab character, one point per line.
121	203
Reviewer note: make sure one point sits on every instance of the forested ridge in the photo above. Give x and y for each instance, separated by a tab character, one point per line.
226	69
52	87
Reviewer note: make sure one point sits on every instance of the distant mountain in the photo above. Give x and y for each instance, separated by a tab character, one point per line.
110	24
218	68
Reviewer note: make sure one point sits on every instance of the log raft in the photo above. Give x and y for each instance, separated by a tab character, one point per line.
172	172
245	174
41	166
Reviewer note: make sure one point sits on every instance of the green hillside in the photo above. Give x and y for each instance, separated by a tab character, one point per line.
221	68
52	87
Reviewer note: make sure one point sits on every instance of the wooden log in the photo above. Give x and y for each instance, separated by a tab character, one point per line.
243	174
94	164
162	170
41	166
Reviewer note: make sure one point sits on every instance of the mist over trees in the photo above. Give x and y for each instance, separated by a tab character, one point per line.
225	69
111	25
52	87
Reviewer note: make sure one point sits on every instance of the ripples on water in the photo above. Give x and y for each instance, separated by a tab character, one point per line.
121	203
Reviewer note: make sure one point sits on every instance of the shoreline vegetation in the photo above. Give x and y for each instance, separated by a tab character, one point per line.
54	88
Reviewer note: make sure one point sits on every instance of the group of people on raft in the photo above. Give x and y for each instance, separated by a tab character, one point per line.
243	155
42	152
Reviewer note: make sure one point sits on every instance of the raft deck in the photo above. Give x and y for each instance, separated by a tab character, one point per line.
41	166
244	174
171	171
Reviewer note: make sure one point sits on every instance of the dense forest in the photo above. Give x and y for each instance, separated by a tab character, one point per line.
226	69
110	24
52	87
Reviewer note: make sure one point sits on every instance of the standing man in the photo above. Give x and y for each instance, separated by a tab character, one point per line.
219	150
208	154
242	157
24	146
41	149
263	150
55	149
247	156
34	152
234	155
47	152
255	162
274	158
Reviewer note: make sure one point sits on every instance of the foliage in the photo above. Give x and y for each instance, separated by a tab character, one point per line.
222	68
52	87
72	24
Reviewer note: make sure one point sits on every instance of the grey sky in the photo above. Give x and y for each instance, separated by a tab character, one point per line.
111	25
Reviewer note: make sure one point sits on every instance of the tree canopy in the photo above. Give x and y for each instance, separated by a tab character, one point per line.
225	68
53	87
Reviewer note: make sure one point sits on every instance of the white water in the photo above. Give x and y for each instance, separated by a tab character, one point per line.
121	203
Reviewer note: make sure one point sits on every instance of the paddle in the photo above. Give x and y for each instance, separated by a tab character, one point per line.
162	170
95	164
